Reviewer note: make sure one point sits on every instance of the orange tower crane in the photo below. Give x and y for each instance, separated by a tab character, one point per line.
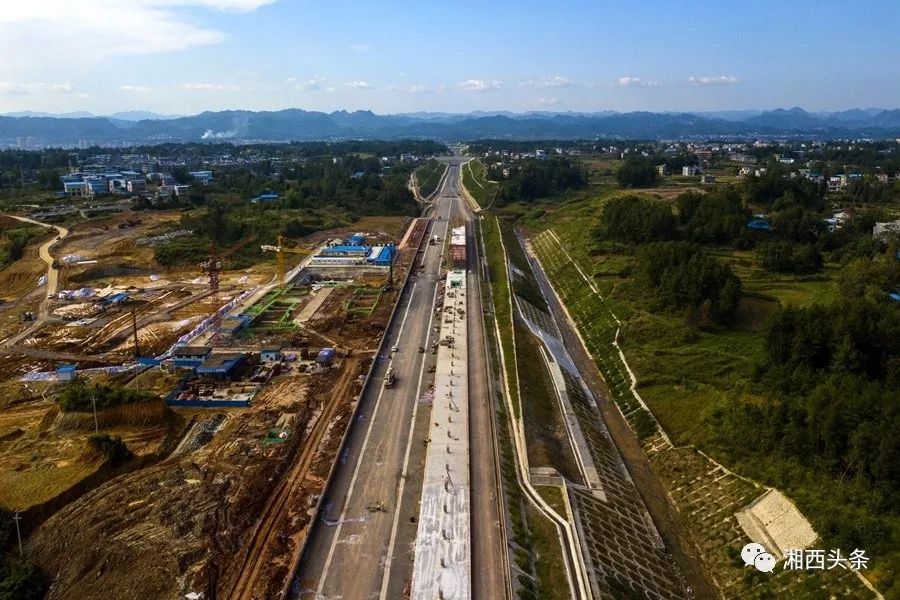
279	251
213	265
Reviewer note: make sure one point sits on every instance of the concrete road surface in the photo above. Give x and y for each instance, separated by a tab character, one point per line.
362	546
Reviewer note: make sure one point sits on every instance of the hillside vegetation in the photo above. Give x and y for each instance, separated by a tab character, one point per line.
429	175
782	364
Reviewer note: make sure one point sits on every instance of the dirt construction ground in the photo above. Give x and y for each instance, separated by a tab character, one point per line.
183	523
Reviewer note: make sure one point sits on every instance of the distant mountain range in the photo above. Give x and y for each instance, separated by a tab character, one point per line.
139	127
126	115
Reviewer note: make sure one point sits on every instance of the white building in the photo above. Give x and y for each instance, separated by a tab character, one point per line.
883	231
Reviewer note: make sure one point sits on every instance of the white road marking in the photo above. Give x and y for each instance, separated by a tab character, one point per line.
362	453
412	426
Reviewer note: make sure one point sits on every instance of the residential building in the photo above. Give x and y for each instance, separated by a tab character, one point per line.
270	354
882	231
266	197
202	177
136	186
75	188
707	179
690	171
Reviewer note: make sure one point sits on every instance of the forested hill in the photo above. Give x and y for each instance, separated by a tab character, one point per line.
297	124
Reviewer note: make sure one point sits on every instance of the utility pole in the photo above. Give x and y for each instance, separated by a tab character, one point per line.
137	351
391	271
18	518
94	403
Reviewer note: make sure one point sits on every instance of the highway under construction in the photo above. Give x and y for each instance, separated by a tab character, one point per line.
397	511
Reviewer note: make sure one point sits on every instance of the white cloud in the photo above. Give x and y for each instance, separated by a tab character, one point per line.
310	85
359	85
480	85
714	80
414	88
90	31
360	47
35	88
548	101
552	81
635	82
137	89
210	87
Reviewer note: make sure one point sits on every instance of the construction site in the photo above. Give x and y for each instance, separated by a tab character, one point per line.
247	381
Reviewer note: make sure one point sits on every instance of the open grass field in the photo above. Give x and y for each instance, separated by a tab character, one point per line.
429	175
535	541
684	374
499	280
474	176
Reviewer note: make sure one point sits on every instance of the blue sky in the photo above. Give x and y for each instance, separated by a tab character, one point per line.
185	56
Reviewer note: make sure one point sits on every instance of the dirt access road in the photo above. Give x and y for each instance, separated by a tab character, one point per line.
52	277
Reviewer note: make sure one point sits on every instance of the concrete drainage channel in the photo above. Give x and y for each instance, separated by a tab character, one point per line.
298	554
569	546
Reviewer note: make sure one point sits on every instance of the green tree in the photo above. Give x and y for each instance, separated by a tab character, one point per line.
636	220
637	172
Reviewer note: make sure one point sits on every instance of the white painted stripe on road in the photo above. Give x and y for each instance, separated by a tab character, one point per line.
362	453
412	426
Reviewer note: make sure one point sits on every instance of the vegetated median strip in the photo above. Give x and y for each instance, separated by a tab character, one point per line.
498	477
567	422
567	538
482	196
416	182
541	246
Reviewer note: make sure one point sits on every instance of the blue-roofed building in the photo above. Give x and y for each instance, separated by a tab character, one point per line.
65	372
220	365
326	355
357	239
266	197
345	250
759	225
381	256
117	298
894	296
202	177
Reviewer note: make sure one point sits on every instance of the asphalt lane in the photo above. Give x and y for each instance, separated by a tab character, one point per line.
369	503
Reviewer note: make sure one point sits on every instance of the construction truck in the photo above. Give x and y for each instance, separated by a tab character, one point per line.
389	378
